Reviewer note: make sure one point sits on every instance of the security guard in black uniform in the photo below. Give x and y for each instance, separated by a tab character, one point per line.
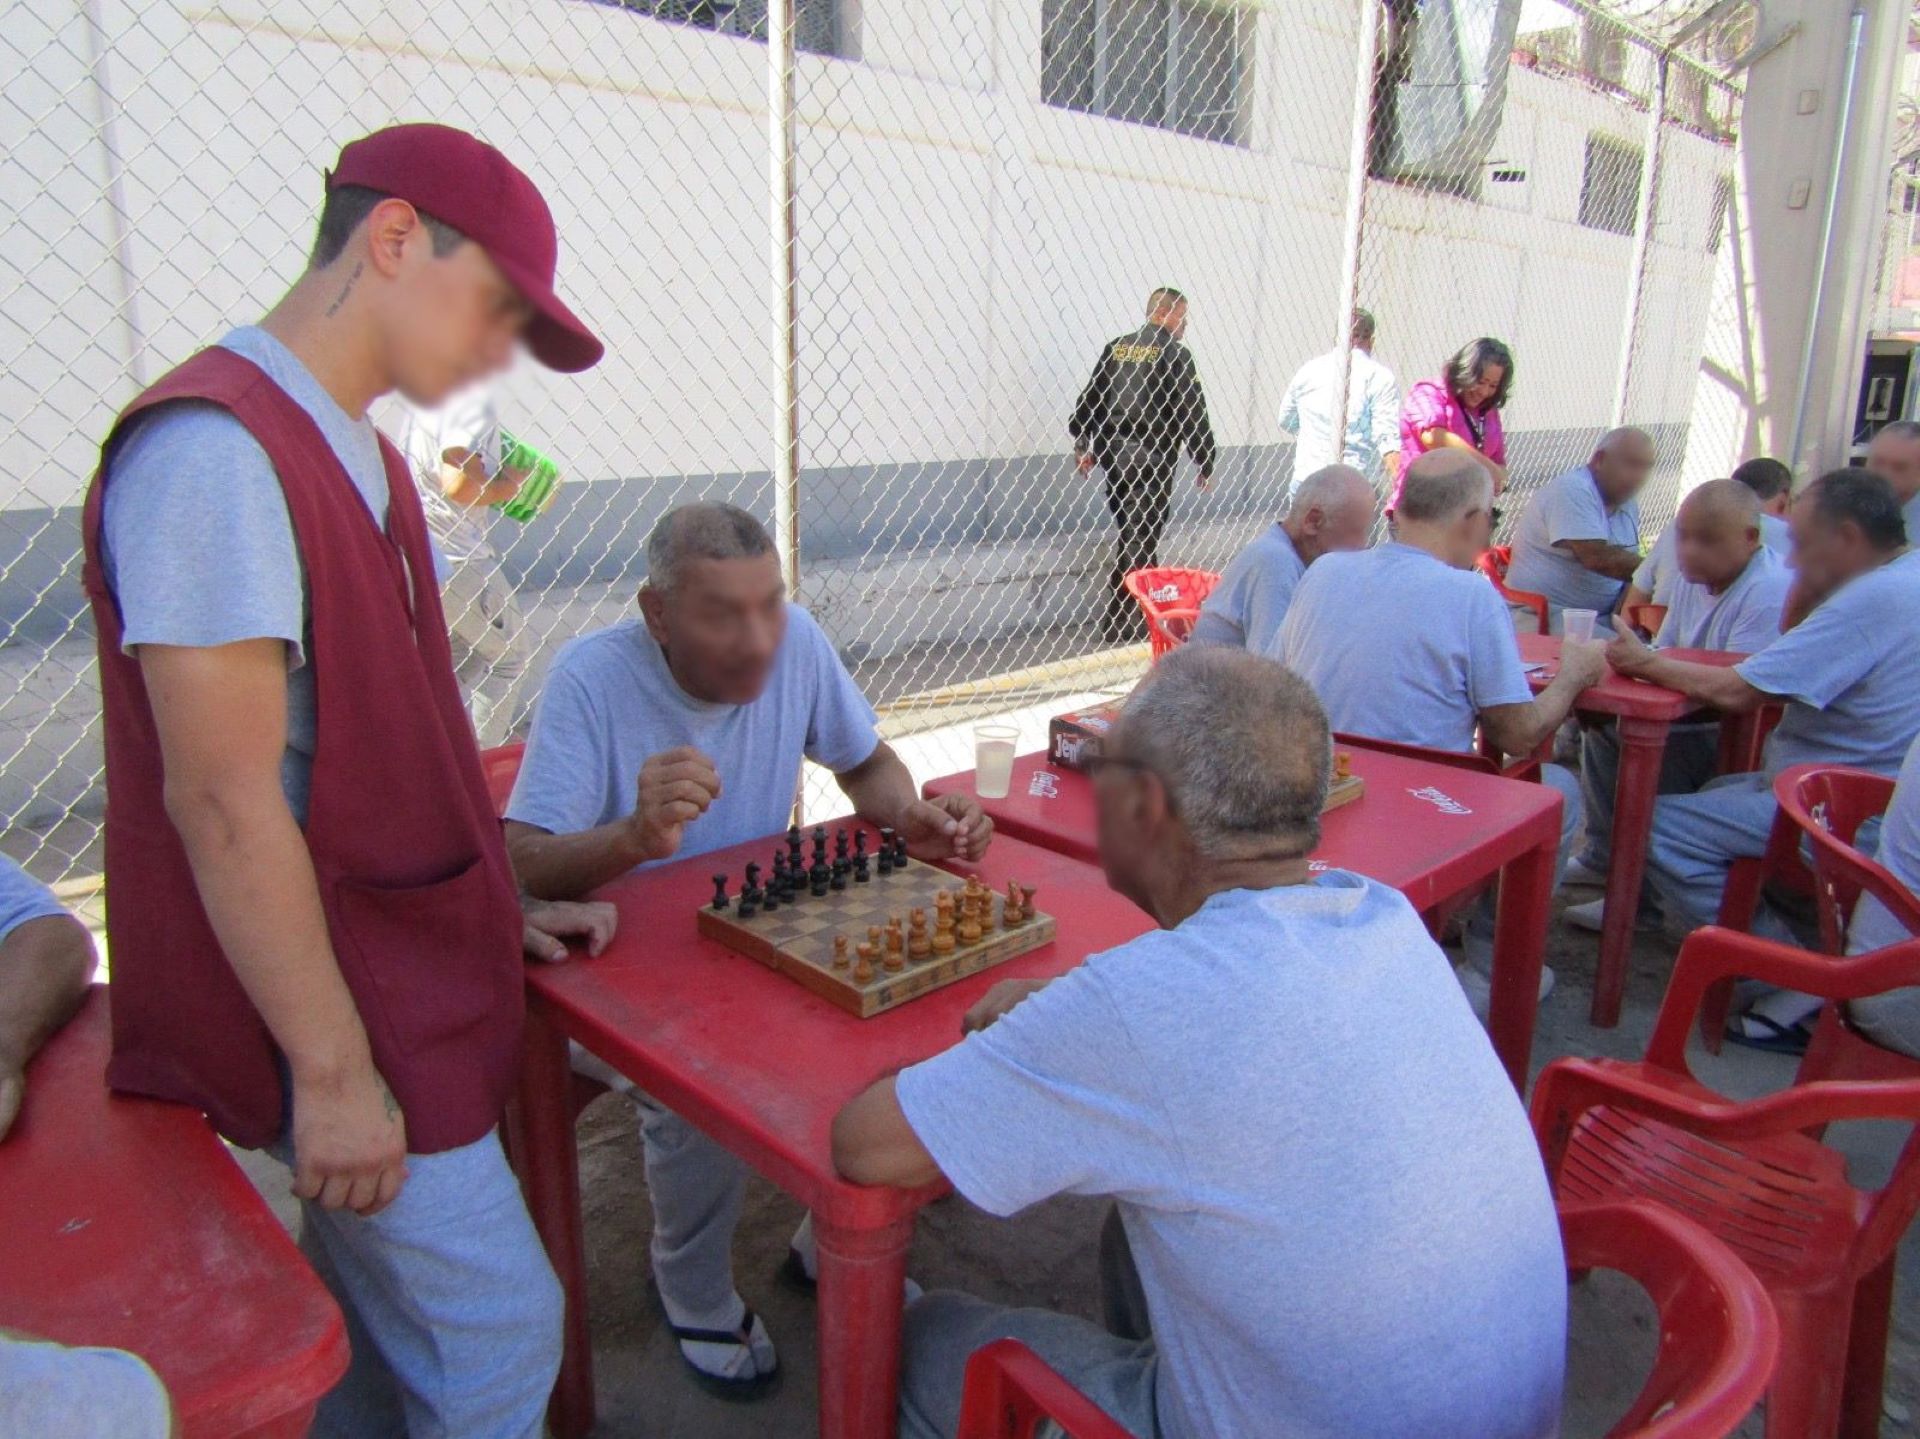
1141	406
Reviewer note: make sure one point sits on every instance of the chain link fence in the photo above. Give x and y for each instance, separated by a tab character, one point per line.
885	359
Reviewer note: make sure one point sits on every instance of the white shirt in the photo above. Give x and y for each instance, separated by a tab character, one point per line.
1373	415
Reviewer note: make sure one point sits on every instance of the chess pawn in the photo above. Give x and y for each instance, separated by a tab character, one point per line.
1342	765
839	951
1014	912
969	927
943	923
918	946
863	971
896	948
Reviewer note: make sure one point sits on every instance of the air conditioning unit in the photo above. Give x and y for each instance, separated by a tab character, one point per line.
1443	90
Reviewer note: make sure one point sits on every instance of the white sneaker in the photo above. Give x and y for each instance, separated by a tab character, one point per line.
1592	915
1479	988
1579	872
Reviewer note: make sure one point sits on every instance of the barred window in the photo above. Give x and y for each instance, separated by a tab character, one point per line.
1182	65
1610	186
816	23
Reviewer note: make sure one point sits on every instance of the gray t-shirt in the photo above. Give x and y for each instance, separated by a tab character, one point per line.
1337	1208
1570	507
611	702
197	544
22	897
1850	673
1873	927
1400	645
1742	618
1248	604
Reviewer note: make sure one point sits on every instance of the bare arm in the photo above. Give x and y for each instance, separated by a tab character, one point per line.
675	788
874	1144
1448	440
221	714
45	965
1616	562
1520	728
464	479
1722	687
951	827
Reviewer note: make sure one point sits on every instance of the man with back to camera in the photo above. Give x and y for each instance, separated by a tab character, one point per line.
1578	540
1371	444
679	733
1142	405
328	958
1405	642
1331	509
1330	1214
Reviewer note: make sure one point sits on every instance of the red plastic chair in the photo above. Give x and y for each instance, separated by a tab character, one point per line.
501	766
1751	1173
1170	599
1493	563
1719	1339
1646	619
1824	805
1719	1336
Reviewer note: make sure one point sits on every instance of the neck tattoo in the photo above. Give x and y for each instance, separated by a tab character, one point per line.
346	289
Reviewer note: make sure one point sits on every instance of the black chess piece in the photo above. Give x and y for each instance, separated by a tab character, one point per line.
899	851
886	852
795	864
719	891
841	867
774	895
861	872
840	843
753	875
859	844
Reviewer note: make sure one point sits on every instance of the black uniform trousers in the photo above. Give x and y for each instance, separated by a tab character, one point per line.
1139	495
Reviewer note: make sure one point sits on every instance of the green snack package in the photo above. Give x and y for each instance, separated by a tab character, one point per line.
543	478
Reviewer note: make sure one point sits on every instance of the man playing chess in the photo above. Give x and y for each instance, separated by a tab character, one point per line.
1331	1217
675	734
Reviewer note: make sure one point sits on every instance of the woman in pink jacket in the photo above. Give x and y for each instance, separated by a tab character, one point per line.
1461	410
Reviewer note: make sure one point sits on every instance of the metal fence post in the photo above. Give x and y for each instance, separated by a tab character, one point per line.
782	294
1642	237
1365	52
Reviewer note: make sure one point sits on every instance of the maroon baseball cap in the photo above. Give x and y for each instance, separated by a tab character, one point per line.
469	185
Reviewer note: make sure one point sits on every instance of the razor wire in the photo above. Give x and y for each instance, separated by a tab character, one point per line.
984	194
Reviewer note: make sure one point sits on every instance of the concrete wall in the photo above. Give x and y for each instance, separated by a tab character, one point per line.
963	250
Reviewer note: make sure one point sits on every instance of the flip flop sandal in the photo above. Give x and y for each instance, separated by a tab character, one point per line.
739	1337
1778	1039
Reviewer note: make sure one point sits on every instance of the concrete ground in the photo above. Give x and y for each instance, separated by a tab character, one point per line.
1047	1255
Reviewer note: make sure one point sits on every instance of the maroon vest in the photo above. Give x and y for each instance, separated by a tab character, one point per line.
419	897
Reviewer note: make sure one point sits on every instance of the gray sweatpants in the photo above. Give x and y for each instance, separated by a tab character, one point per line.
1116	1367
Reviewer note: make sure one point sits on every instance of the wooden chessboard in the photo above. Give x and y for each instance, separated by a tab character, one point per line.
1343	789
797	938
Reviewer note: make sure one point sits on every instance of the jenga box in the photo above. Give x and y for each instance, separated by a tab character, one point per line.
1075	739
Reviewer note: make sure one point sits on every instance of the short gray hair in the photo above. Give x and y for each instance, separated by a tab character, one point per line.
705	530
1443	485
1241	743
1329	487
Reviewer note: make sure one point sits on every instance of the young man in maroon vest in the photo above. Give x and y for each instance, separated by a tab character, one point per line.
317	936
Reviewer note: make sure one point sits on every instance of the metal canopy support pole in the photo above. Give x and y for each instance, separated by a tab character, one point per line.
783	306
1365	52
1642	237
1841	144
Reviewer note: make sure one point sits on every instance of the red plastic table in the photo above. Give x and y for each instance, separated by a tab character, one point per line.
128	1225
1644	714
1431	831
762	1066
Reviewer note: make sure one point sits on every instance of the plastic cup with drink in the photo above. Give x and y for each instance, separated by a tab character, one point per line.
536	491
993	751
1577	625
